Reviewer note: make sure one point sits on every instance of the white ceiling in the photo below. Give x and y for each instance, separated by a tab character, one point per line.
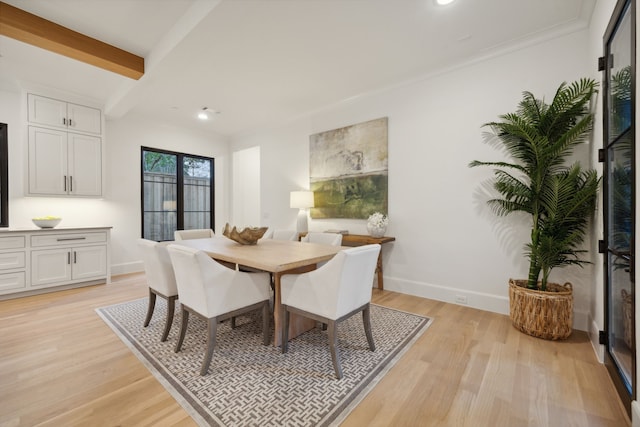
263	62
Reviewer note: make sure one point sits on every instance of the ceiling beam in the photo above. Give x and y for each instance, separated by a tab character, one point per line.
31	29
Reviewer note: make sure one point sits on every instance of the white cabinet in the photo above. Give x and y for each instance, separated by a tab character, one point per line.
12	263
65	148
55	266
63	163
63	115
45	260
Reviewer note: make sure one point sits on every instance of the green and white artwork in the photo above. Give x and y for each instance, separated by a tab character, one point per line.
349	170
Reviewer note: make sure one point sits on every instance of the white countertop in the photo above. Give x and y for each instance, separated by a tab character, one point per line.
49	230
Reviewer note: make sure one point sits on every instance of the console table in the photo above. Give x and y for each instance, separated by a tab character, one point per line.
360	240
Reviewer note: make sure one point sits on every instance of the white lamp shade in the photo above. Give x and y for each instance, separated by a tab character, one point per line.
301	199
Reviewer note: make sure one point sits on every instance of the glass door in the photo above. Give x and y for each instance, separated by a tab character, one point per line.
619	190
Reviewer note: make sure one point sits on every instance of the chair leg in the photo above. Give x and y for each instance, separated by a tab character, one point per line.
285	329
333	346
183	329
152	305
366	319
171	307
265	323
212	326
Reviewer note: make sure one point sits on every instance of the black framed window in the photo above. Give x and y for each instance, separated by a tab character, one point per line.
4	176
177	193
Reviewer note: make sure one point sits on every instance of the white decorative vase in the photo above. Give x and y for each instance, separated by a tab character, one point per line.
376	231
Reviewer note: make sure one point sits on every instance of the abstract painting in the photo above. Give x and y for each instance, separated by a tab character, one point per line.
349	170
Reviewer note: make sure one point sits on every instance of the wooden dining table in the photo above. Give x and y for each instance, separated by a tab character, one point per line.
278	257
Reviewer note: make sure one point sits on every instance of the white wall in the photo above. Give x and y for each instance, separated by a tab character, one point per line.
125	138
120	206
448	241
245	188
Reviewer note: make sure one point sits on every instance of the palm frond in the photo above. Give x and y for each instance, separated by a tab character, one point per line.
539	138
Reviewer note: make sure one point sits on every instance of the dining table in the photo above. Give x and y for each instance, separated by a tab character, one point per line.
278	257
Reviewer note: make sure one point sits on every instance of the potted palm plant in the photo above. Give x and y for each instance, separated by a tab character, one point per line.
559	197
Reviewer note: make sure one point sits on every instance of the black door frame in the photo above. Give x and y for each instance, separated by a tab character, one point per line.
610	363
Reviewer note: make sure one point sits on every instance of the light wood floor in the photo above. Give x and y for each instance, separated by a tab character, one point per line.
61	365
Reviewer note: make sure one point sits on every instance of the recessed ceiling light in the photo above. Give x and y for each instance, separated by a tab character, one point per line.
443	2
203	114
206	113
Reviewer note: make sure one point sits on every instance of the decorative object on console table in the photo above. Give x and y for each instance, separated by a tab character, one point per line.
302	200
377	224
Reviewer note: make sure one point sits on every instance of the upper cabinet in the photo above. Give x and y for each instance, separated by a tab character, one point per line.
64	163
63	115
65	148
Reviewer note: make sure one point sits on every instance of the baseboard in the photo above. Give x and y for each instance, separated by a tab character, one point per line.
126	268
47	290
594	337
479	300
482	301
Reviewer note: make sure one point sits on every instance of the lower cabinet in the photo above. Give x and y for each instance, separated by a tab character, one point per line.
42	260
55	266
12	282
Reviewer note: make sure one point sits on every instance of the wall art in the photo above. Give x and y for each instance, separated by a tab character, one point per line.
348	170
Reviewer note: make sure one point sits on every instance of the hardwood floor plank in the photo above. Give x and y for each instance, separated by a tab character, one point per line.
60	364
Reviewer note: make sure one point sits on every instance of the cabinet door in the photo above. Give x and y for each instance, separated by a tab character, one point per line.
12	282
89	262
47	111
47	161
50	266
85	165
83	119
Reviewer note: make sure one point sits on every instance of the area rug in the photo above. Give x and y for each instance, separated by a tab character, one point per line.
254	385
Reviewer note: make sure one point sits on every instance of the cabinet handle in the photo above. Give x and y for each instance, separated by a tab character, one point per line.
68	257
64	121
70	124
64	239
75	257
70	183
65	182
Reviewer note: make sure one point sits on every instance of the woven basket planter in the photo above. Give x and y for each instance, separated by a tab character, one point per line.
547	315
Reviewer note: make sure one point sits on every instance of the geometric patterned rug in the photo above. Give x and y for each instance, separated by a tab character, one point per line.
250	384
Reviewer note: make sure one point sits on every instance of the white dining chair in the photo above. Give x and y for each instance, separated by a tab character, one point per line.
201	233
214	292
160	279
332	293
333	239
285	235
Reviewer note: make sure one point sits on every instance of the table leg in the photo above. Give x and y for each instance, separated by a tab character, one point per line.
297	324
379	271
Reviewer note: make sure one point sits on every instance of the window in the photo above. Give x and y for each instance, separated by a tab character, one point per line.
4	176
177	193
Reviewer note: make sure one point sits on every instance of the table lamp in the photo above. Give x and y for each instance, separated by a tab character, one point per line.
302	200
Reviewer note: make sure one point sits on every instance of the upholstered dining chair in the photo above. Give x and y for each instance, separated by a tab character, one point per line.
332	293
201	233
283	235
214	292
333	239
160	279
